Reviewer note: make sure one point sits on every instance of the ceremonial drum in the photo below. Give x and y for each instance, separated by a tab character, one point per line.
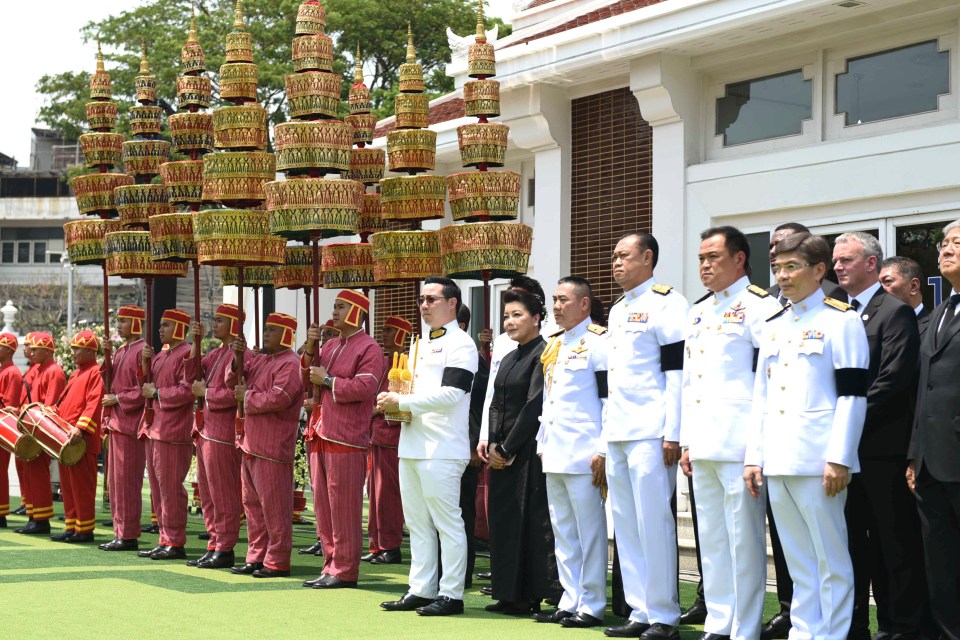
138	202
323	146
130	255
304	206
94	192
405	255
252	276
413	197
491	194
183	181
171	237
366	165
483	143
297	270
50	431
485	249
347	266
13	440
227	237
85	239
102	148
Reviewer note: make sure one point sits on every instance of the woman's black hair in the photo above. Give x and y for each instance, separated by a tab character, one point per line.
532	303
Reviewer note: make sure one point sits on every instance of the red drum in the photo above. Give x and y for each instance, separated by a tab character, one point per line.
50	431
19	444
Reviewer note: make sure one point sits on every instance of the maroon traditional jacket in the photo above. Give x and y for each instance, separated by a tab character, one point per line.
125	417
173	408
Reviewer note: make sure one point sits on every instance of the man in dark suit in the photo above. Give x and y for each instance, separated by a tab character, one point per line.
882	523
903	278
933	473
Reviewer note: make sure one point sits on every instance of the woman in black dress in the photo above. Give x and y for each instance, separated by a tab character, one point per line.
522	556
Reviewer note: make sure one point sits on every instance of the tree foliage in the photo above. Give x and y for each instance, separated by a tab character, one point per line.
379	27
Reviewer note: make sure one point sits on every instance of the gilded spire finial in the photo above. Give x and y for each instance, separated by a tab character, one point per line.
481	35
100	68
358	69
192	37
411	53
238	16
144	64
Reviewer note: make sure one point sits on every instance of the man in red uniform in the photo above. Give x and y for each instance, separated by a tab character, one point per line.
127	453
349	379
170	447
80	406
385	511
218	459
271	394
27	379
327	333
47	388
11	386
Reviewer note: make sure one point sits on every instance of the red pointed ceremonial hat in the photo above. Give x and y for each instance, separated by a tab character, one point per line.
287	323
403	327
182	320
358	302
43	340
85	339
135	313
9	341
232	312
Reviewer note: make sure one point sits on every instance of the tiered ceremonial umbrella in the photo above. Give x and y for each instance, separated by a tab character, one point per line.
191	132
484	247
102	150
238	235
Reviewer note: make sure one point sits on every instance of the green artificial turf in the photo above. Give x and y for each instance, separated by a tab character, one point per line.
56	590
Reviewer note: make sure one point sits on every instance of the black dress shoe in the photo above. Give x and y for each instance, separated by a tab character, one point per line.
105	544
696	614
118	544
19	511
153	528
149	552
316	549
169	553
631	629
218	560
859	634
3	522
487	591
408	602
310	583
442	606
62	537
329	581
713	636
367	557
660	631
484	575
80	537
35	527
552	617
777	627
108	524
390	556
513	608
581	620
267	572
246	569
196	561
203	536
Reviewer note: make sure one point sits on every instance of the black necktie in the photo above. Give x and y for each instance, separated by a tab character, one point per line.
948	314
855	304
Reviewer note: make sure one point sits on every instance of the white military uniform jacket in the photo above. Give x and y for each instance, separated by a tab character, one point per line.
646	329
722	335
574	393
810	392
443	367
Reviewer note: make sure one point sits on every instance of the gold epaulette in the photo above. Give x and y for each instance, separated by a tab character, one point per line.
597	329
758	291
556	333
836	304
662	289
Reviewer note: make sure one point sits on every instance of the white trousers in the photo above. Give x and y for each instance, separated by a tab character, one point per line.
431	505
813	532
580	533
640	492
732	526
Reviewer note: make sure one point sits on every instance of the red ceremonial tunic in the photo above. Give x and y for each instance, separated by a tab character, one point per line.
356	364
49	383
220	405
81	404
125	417
173	408
29	378
272	404
11	388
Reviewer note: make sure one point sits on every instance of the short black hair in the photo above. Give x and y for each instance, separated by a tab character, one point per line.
813	249
597	313
530	302
584	290
463	316
645	241
796	227
908	267
450	288
733	239
529	285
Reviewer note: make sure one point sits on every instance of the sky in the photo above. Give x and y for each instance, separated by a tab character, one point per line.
27	32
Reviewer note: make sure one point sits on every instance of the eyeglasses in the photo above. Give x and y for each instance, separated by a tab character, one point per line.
790	268
953	244
430	300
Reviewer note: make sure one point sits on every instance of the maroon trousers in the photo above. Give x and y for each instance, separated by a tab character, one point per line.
385	511
22	477
167	466
338	492
218	477
5	482
313	462
78	486
268	503
38	491
127	458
